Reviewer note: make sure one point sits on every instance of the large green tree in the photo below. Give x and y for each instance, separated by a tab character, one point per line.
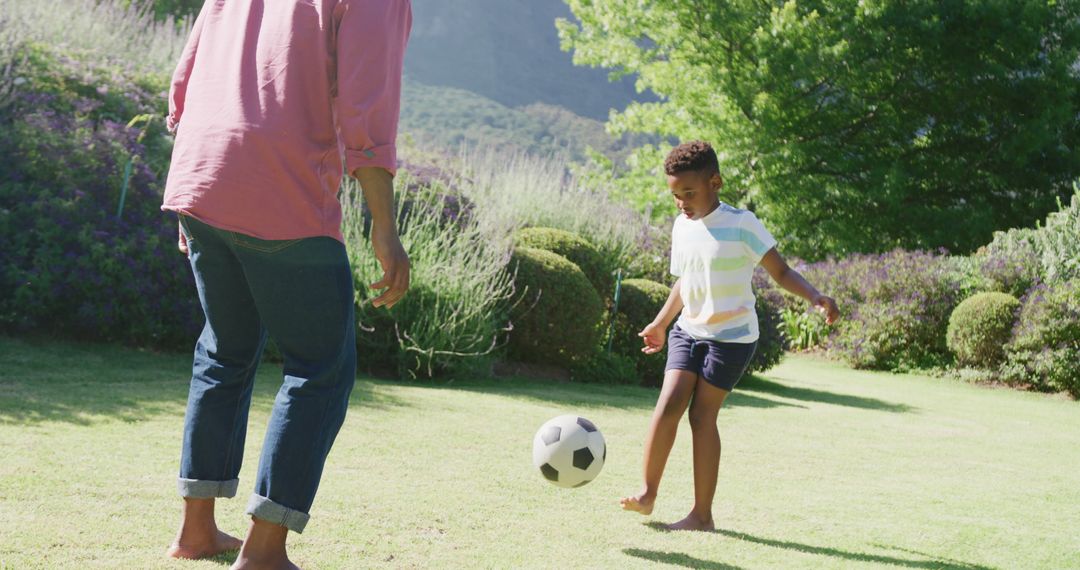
859	124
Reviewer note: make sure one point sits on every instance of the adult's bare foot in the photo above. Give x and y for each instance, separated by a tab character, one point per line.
641	503
693	522
246	563
194	548
264	548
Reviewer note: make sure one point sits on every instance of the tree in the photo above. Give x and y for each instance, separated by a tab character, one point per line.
858	125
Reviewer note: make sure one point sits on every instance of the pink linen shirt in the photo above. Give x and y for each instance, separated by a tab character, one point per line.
271	98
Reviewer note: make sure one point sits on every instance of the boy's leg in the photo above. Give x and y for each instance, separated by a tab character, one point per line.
674	397
223	372
304	292
724	366
703	411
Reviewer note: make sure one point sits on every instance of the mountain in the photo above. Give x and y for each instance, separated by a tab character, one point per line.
449	117
508	51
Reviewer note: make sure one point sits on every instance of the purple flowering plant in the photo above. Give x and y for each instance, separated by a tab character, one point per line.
69	265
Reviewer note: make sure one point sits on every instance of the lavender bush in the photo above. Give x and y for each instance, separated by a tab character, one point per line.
70	264
895	306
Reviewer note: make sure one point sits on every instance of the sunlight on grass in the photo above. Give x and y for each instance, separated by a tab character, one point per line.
823	467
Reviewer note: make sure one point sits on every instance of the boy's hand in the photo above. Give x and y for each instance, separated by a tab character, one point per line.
827	306
654	336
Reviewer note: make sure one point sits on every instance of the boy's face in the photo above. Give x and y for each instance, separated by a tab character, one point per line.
695	192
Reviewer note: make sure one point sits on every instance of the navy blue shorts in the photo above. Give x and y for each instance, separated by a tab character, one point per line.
720	363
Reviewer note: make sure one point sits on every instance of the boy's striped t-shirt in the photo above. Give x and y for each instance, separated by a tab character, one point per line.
715	258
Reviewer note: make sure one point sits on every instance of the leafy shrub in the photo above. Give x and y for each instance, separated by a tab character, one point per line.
768	304
1045	348
894	307
979	328
455	313
1018	258
639	302
1011	263
601	367
557	320
574	248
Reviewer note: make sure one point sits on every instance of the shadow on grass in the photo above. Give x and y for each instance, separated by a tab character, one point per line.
757	384
84	384
677	559
930	562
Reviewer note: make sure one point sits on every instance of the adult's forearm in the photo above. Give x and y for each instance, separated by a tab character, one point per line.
378	187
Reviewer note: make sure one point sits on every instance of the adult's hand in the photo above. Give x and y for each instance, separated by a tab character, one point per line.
378	186
181	239
395	266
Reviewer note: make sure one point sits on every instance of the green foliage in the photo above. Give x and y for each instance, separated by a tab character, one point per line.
455	313
858	126
601	367
639	302
979	327
641	182
556	321
1045	349
1021	257
804	330
516	190
771	344
894	307
124	37
573	247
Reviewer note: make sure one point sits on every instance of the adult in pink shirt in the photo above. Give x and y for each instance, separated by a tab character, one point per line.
272	102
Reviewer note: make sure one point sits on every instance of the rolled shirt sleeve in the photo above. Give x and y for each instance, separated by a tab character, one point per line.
178	87
371	40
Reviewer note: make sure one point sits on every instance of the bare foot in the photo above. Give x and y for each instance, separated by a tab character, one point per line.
641	503
193	549
693	522
244	563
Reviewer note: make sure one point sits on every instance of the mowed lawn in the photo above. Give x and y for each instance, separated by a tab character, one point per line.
823	467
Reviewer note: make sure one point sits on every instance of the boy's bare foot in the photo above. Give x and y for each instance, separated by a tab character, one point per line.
194	548
693	522
641	503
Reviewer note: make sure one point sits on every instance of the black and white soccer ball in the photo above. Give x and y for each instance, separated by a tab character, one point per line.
569	451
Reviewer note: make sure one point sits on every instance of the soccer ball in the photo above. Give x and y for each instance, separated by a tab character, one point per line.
569	451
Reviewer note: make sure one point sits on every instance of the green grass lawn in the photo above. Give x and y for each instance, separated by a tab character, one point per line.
823	467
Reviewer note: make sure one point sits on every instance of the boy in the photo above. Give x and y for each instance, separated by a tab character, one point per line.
714	249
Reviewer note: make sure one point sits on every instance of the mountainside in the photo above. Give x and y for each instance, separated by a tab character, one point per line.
507	51
449	117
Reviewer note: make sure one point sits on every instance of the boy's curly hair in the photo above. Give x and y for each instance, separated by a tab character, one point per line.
692	156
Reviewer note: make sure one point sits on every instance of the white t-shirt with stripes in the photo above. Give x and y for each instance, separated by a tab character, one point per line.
715	257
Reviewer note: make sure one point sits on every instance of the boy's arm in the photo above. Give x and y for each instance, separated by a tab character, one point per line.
654	333
794	282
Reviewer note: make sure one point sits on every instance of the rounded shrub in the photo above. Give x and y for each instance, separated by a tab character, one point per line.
557	316
771	344
639	302
575	248
979	327
1045	347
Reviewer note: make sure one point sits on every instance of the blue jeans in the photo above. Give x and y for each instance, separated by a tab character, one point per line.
300	292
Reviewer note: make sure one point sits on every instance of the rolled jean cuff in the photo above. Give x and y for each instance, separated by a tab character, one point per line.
269	511
199	489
